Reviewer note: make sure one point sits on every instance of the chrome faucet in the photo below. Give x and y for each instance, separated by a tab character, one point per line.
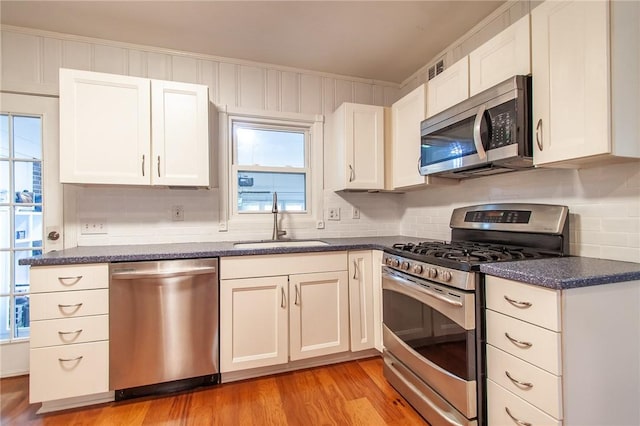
277	234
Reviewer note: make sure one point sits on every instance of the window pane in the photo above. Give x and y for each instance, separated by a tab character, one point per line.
22	272
4	135
28	227
4	318
21	316
28	182
27	134
269	148
255	191
5	277
5	227
4	182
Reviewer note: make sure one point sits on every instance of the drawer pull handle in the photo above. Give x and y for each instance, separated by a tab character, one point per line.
74	280
520	422
75	305
518	342
518	382
62	333
78	358
517	303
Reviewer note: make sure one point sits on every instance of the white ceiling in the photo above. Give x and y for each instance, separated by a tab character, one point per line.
381	40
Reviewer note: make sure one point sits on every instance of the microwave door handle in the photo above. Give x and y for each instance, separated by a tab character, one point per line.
477	137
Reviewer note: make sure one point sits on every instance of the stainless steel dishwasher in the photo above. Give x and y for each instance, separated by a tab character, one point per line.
163	326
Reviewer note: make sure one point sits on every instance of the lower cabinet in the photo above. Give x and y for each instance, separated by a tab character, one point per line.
558	357
361	300
300	311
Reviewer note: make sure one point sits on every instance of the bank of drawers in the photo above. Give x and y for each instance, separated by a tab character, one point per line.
69	331
524	355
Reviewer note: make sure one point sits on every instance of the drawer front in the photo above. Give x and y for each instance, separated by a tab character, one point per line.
69	331
541	346
69	304
69	277
534	304
282	264
500	400
538	387
67	371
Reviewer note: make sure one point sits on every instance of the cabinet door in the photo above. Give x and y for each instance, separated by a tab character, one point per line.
319	314
448	88
253	323
364	144
104	128
180	129
406	116
505	55
570	67
361	300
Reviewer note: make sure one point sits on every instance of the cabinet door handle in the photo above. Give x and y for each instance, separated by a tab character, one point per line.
539	134
143	165
158	166
75	280
352	174
520	422
78	358
355	269
297	302
63	333
419	161
518	342
283	300
517	303
518	382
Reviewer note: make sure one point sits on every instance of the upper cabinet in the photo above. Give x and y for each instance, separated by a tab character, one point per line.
406	116
505	55
448	88
355	153
125	130
586	82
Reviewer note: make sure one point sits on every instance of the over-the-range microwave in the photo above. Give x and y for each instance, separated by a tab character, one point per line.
487	134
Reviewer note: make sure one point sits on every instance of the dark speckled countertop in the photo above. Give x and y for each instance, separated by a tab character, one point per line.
142	252
566	272
556	273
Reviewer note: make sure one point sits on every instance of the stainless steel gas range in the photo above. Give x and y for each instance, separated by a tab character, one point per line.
432	300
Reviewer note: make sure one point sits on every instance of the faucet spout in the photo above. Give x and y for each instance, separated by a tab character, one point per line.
277	234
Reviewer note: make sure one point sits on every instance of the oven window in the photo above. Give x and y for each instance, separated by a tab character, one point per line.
431	334
452	142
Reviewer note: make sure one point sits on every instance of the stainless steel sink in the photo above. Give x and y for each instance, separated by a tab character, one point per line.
274	244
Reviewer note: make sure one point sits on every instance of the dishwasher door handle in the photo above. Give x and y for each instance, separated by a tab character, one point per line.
132	275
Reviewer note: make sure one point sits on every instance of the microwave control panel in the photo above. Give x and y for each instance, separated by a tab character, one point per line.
503	125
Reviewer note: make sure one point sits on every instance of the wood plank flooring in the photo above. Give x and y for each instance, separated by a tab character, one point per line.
350	393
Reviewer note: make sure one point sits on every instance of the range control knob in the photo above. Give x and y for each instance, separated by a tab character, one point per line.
446	276
432	272
388	261
405	265
417	269
395	263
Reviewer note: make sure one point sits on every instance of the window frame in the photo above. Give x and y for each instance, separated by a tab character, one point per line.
229	218
235	168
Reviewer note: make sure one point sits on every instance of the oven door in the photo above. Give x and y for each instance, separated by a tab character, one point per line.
430	343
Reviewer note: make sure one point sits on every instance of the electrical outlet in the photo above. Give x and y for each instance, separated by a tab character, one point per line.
177	213
94	226
355	213
333	213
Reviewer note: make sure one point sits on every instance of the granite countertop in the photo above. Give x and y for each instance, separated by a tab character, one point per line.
142	252
565	272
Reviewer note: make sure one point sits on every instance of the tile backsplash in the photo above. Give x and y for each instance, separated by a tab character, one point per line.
604	203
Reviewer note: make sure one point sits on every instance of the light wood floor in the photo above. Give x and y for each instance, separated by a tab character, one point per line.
350	393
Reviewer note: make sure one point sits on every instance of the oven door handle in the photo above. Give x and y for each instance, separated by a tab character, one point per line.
421	289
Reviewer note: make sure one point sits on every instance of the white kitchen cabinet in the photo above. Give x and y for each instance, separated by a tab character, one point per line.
69	345
503	56
125	130
586	82
297	308
448	88
406	116
361	300
354	159
562	356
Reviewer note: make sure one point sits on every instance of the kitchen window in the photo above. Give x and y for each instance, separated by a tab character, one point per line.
271	152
